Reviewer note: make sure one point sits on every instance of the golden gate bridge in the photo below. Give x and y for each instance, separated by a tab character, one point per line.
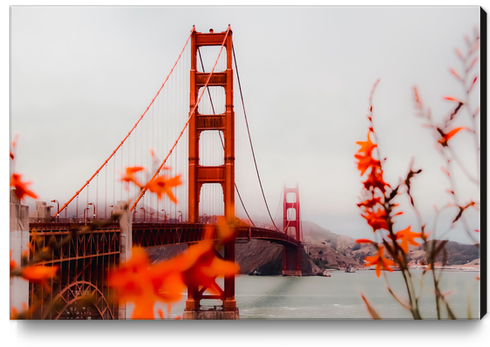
192	120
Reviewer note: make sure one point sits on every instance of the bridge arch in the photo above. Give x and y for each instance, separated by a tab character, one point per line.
76	292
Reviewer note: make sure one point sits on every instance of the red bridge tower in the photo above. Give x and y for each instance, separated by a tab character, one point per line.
292	225
222	174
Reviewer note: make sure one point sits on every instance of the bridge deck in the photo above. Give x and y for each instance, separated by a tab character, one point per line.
161	234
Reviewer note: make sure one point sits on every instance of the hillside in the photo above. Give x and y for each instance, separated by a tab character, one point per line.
457	254
333	251
322	250
257	257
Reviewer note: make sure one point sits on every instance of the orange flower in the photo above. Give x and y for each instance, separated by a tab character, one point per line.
380	261
407	237
39	274
140	282
133	283
168	282
163	185
364	155
202	266
366	146
369	203
375	180
450	98
21	187
137	281
376	219
445	137
365	162
225	230
130	175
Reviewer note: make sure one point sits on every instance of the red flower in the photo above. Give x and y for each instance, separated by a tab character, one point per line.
140	282
144	284
365	162
130	175
201	266
370	203
21	187
445	137
376	219
380	261
163	185
226	229
39	274
364	155
366	146
375	180
407	237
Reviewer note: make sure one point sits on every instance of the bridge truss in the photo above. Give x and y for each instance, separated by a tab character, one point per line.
79	291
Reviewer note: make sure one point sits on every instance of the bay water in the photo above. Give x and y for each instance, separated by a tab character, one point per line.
339	297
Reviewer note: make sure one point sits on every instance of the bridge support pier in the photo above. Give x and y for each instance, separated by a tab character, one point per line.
19	241
292	261
126	248
212	313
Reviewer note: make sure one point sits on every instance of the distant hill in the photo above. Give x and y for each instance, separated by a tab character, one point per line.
322	250
256	256
333	251
330	250
457	253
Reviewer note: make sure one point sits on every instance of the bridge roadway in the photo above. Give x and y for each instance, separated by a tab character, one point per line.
162	234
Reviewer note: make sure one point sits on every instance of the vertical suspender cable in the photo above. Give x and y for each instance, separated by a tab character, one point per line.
114	182
105	195
122	152
141	117
143	191
250	139
96	196
129	163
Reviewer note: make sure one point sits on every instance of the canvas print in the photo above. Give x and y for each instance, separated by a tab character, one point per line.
223	163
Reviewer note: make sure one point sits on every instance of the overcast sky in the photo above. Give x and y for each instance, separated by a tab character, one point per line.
81	77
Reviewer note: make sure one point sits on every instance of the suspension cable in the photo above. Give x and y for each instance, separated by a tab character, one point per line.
222	142
143	191
250	140
141	117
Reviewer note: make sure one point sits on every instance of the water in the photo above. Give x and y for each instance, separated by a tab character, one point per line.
339	296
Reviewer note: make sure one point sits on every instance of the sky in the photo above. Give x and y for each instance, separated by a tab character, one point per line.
81	77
